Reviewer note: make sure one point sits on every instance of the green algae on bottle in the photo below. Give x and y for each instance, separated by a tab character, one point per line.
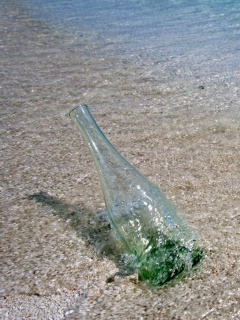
156	237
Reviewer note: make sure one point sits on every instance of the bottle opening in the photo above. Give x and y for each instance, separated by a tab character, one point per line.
80	106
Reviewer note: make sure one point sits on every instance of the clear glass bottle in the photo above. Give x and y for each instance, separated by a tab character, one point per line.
159	242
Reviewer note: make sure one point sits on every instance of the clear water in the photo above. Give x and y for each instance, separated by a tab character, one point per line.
193	36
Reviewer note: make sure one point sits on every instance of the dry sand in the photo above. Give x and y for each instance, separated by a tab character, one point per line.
59	259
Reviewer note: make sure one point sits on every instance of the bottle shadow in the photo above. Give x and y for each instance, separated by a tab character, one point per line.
92	227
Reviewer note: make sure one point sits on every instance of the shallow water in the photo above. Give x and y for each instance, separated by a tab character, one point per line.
196	37
176	43
162	80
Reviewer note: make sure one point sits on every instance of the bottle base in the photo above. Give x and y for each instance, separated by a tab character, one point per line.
161	264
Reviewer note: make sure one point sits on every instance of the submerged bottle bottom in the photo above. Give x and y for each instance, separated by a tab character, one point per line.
163	263
159	248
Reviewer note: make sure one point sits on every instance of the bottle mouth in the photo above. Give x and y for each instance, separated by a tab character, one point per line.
80	106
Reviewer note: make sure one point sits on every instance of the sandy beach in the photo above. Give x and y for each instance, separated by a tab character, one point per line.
59	259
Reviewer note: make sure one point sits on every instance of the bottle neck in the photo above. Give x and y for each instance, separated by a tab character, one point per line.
99	146
113	170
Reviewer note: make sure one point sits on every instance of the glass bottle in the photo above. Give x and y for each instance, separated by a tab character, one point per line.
159	242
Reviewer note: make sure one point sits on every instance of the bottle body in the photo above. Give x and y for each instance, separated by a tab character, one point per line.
159	242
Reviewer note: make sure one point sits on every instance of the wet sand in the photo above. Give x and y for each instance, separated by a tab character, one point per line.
59	259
